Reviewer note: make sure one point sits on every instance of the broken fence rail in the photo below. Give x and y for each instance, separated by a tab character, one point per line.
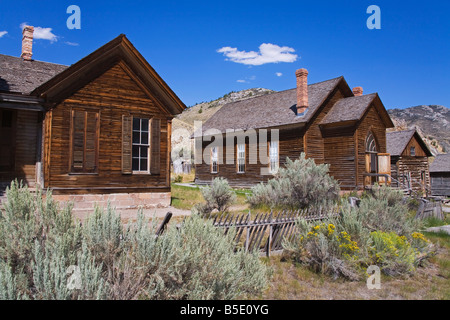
267	230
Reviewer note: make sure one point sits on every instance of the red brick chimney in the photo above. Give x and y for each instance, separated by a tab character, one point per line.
302	90
27	43
358	91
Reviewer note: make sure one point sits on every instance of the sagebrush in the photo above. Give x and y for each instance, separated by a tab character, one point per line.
42	249
379	232
299	184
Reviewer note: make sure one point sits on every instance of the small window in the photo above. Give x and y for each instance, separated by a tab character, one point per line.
241	158
141	145
273	156
413	151
7	116
214	160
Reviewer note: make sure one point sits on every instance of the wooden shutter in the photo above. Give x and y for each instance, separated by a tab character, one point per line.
78	134
91	142
155	146
127	122
85	135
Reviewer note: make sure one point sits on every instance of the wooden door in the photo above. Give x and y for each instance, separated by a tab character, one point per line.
7	139
384	167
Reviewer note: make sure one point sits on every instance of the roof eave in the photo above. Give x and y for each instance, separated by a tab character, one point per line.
120	48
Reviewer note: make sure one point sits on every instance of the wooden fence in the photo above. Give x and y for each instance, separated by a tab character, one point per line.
267	230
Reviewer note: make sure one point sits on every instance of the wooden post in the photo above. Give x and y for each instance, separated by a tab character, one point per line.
247	236
163	225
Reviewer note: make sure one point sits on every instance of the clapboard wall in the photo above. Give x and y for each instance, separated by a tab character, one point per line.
110	97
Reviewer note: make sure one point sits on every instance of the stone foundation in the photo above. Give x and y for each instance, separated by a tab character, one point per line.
120	201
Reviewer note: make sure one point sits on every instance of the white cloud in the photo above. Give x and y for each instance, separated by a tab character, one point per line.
2	33
42	33
279	74
241	81
74	44
268	53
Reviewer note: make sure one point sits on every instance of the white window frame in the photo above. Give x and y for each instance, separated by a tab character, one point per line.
140	145
274	157
240	156
214	160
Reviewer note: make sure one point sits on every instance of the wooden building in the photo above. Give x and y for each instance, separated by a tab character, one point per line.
440	175
409	161
96	131
328	121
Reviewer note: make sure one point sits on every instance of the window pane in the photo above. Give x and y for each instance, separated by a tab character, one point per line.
136	124
143	165
135	164
144	126
136	137
144	152
7	118
135	151
144	138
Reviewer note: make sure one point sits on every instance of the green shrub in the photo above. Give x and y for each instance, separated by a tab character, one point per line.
321	248
219	196
178	178
385	210
198	262
392	253
300	184
43	252
380	231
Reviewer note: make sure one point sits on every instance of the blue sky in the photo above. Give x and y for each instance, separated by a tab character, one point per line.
406	61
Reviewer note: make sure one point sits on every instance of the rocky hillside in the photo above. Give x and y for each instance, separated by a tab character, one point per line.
433	122
183	124
204	110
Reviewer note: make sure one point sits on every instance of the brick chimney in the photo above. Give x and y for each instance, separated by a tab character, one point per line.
27	43
358	91
302	90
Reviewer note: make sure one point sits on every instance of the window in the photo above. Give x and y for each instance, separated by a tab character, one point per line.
214	160
371	153
84	141
413	151
273	156
6	117
141	145
241	158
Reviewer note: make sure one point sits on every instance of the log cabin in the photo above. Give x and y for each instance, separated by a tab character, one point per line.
96	131
440	175
328	121
409	161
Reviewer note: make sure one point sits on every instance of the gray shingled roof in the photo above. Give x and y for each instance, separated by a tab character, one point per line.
349	109
19	76
441	163
270	110
397	141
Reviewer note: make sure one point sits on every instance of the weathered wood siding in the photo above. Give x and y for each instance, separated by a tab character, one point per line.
340	155
290	145
419	152
112	95
25	148
440	183
314	142
413	167
371	121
